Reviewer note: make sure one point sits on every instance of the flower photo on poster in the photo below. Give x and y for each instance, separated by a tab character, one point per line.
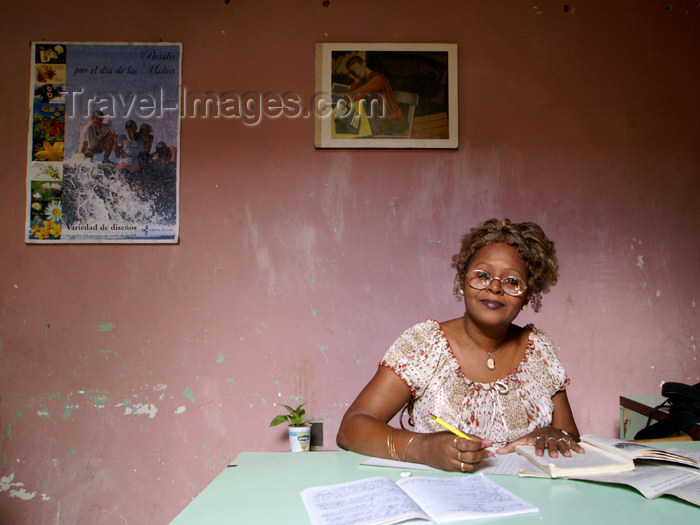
103	153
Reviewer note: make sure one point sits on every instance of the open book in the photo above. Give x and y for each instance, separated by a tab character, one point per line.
608	460
603	455
632	451
378	500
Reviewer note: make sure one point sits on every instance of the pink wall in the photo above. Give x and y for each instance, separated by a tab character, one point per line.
131	375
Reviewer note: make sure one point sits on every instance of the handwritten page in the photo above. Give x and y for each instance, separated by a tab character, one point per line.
501	464
368	501
464	497
375	501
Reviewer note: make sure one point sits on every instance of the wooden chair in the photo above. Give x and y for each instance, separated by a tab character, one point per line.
407	102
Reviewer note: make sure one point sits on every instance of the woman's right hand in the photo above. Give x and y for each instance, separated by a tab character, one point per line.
364	429
445	451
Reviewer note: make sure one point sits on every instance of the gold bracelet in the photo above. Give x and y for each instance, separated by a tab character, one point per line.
391	446
408	445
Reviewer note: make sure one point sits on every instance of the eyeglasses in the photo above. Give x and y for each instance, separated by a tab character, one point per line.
480	280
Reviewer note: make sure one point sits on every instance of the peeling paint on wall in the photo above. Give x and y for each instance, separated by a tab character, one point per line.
141	409
16	488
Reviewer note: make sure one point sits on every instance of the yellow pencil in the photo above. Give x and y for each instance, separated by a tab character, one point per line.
449	427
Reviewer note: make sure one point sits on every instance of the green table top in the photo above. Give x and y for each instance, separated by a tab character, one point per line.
264	488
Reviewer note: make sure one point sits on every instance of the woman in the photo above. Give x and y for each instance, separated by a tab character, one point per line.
130	151
500	384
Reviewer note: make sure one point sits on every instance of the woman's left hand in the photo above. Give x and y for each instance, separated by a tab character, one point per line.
552	439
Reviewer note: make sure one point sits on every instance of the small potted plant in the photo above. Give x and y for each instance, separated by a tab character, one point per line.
299	430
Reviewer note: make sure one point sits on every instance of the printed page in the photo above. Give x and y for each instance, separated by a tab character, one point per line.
638	450
614	446
653	480
692	454
594	460
464	497
689	492
369	501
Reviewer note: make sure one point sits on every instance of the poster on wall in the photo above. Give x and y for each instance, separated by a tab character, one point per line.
104	133
386	96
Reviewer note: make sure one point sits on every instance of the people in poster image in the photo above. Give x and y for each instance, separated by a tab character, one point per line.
97	136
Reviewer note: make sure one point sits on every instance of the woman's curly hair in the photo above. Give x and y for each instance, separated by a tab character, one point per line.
532	244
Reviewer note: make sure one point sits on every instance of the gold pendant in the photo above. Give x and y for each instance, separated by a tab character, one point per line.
490	362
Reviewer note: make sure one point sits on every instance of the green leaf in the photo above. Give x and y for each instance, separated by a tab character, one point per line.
299	415
278	420
295	417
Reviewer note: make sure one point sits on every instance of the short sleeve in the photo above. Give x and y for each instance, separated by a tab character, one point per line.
416	354
547	367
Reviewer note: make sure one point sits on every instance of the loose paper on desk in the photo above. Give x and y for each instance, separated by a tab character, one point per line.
500	464
654	481
375	501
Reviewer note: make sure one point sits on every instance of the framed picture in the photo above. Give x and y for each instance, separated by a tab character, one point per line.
386	96
103	143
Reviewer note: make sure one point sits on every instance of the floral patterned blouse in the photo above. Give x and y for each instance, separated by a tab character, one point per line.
501	411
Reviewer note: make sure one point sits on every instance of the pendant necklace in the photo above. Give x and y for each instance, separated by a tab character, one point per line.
490	362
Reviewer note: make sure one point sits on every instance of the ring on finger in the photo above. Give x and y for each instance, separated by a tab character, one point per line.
550	438
461	465
564	440
539	437
459	456
454	442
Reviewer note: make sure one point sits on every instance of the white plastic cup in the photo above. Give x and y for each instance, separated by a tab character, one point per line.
299	439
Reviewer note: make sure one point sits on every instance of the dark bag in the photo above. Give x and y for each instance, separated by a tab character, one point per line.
684	411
